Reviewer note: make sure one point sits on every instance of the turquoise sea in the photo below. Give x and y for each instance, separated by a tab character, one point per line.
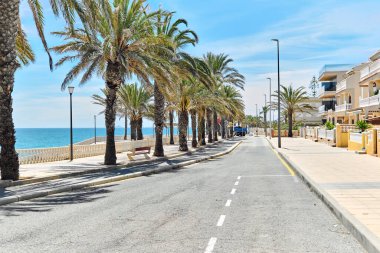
57	137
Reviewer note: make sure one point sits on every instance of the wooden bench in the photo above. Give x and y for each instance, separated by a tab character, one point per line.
139	151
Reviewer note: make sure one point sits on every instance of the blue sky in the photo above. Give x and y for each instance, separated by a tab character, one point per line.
311	33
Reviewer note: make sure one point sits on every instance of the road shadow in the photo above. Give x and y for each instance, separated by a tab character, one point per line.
48	203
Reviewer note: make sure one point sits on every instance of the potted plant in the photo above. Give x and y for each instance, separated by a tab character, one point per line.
363	125
329	125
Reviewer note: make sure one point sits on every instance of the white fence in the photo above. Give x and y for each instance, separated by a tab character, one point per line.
356	137
42	155
331	135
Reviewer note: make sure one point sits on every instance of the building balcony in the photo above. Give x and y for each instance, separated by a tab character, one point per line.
370	101
329	72
370	70
323	93
341	86
342	108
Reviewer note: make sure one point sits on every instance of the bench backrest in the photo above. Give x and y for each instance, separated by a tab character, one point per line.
142	149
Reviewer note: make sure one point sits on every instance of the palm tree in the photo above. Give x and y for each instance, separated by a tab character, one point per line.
116	41
121	111
14	50
136	99
231	104
292	101
179	39
265	110
222	74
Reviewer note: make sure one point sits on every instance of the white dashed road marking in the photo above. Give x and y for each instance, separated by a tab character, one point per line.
228	203
238	178
211	244
233	191
221	220
237	183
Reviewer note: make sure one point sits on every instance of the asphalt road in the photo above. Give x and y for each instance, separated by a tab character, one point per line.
243	202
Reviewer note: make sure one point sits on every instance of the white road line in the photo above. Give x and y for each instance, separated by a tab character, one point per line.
211	244
238	178
221	220
237	183
233	191
228	203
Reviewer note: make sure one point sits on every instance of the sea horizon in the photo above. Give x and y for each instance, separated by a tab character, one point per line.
27	138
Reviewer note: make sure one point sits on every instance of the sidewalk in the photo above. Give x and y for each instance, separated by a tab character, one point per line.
349	180
42	170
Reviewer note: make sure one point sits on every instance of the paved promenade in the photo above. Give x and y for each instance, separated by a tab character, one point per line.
38	170
352	180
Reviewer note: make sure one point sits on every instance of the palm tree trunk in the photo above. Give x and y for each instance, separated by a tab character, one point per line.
223	128
183	122
171	125
265	124
194	142
209	125
113	82
290	128
125	127
215	125
201	129
9	163
133	129
139	125
159	116
110	155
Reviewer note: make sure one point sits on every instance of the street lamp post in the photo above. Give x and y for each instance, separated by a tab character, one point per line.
95	127
270	106
71	91
265	114
278	93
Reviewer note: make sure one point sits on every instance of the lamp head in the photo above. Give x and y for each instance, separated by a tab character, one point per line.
275	40
71	89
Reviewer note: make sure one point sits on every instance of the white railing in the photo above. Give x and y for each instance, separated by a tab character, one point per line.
42	155
310	132
342	108
322	109
370	101
322	133
342	85
370	70
330	135
100	139
356	137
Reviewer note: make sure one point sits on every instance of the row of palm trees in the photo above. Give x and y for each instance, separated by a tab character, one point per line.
121	40
292	101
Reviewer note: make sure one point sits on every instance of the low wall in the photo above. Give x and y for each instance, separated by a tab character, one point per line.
284	133
371	141
43	155
356	141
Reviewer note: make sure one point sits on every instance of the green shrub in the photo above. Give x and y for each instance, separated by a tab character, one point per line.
363	125
329	125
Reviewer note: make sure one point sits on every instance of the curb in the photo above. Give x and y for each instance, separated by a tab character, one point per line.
366	238
38	194
10	183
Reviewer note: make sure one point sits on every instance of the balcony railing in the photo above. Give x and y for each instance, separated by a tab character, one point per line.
342	85
371	69
342	108
322	109
370	101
